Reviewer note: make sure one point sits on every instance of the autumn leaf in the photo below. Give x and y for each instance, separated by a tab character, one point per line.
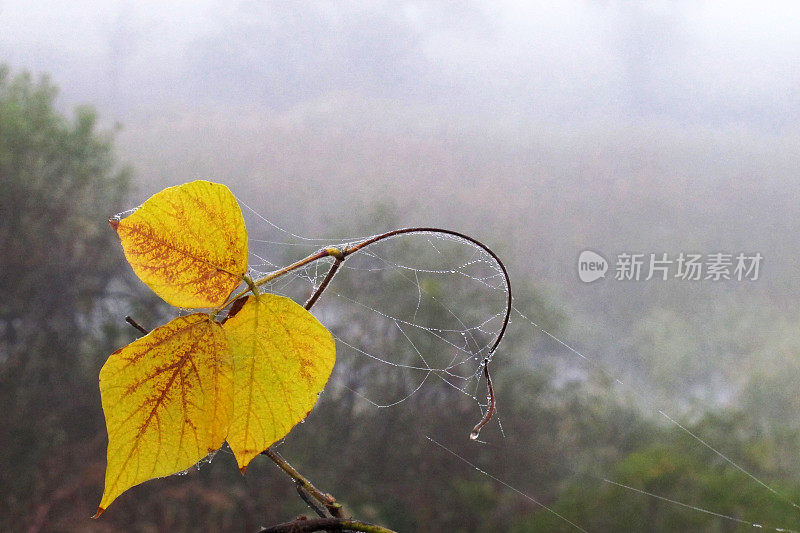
168	401
176	394
282	358
188	243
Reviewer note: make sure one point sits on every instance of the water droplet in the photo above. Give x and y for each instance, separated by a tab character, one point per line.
474	435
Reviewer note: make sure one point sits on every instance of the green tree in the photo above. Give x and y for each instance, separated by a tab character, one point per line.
677	467
57	262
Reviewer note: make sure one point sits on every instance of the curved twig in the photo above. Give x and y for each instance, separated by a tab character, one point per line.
492	401
377	238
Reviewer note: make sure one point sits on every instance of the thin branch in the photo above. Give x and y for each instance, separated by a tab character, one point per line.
294	266
325	524
334	508
310	501
278	273
136	325
324	285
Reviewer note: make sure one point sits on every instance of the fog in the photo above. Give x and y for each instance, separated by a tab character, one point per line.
543	129
711	63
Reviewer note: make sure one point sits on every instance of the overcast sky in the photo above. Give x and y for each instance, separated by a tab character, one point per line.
689	62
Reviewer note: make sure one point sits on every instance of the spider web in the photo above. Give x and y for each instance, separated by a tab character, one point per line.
429	306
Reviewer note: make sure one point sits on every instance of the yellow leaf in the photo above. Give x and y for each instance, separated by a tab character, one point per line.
282	358
167	399
188	243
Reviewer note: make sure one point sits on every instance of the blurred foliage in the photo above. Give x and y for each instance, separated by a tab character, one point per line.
59	179
676	467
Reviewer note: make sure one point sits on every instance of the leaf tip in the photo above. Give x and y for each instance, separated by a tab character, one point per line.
113	222
100	511
242	469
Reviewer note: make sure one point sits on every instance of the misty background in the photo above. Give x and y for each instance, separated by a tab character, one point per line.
542	130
